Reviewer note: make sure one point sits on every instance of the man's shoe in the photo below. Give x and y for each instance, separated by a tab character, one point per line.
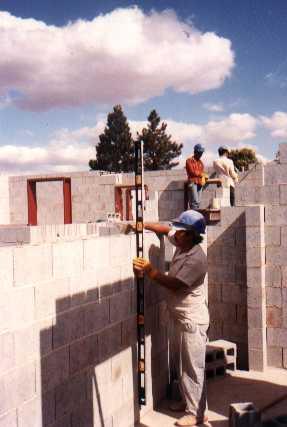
177	406
189	420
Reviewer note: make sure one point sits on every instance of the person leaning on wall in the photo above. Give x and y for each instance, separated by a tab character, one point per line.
195	176
187	305
224	168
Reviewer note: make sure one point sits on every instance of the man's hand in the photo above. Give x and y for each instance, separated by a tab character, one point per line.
142	265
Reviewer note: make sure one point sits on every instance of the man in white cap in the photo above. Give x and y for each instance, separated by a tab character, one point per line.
224	168
186	300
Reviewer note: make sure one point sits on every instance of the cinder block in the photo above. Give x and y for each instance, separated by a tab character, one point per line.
275	357
276	256
129	331
5	310
6	267
9	419
233	294
52	297
68	327
120	306
284	277
54	368
67	259
273	275
255	277
275	174
214	293
17	386
22	306
234	332
283	153
7	352
83	353
96	315
283	194
255	318
223	311
24	344
256	338
73	390
272	236
243	415
276	337
255	257
122	364
126	416
276	215
241	314
273	297
37	411
96	253
25	260
257	359
284	236
109	281
110	341
43	336
274	317
120	250
285	358
255	297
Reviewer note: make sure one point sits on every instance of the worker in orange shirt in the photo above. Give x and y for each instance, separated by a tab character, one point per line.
195	176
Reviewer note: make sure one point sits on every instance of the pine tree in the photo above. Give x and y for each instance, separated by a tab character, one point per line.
243	157
115	151
159	149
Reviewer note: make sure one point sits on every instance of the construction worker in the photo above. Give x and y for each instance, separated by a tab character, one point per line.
188	310
224	168
195	175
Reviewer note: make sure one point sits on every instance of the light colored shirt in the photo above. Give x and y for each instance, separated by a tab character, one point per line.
225	171
190	267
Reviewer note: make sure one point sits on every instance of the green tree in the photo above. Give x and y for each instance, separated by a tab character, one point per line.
159	149
243	157
115	151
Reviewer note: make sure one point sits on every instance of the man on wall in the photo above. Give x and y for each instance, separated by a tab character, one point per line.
188	310
195	176
224	168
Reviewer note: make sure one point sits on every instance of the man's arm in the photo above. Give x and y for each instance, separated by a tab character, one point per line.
157	227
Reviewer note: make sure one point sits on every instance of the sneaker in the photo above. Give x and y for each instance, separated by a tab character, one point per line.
179	406
189	420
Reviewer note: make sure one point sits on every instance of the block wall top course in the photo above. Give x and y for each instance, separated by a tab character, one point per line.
283	153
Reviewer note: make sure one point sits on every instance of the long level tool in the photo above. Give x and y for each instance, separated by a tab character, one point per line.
140	195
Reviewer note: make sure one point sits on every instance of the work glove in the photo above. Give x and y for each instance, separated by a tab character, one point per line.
142	266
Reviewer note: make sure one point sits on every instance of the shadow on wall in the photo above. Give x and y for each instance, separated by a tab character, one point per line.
227	285
88	367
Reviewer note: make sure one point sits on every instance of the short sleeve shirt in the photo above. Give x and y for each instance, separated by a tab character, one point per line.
190	267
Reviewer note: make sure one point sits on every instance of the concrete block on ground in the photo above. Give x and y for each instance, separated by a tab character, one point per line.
25	259
243	415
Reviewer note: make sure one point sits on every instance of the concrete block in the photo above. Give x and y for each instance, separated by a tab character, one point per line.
73	390
120	306
275	174
214	293
68	327
285	358
96	253
17	386
276	256
120	250
6	267
275	357
274	317
276	337
256	338
7	352
241	314
273	297
283	194
284	276
54	368
283	153
109	281
255	257
284	236
276	215
22	306
267	195
5	310
255	318
273	275
254	216
37	411
272	236
223	311
9	419
233	294
243	415
83	353
24	344
255	237
255	277
234	215
43	336
127	416
67	259
122	364
97	315
109	341
257	360
52	297
255	297
25	259
129	331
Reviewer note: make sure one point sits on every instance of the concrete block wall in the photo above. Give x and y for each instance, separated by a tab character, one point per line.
4	200
68	333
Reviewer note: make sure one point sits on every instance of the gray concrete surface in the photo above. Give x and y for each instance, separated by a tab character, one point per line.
241	386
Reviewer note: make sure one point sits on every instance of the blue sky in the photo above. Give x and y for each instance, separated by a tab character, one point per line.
215	70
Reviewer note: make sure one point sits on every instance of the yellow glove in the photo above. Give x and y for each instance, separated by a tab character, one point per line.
142	266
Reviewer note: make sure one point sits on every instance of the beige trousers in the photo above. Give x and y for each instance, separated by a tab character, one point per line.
188	356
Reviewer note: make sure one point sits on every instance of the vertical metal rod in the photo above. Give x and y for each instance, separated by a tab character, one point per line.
139	187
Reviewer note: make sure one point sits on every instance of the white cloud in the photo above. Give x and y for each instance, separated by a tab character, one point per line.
123	56
214	108
276	124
